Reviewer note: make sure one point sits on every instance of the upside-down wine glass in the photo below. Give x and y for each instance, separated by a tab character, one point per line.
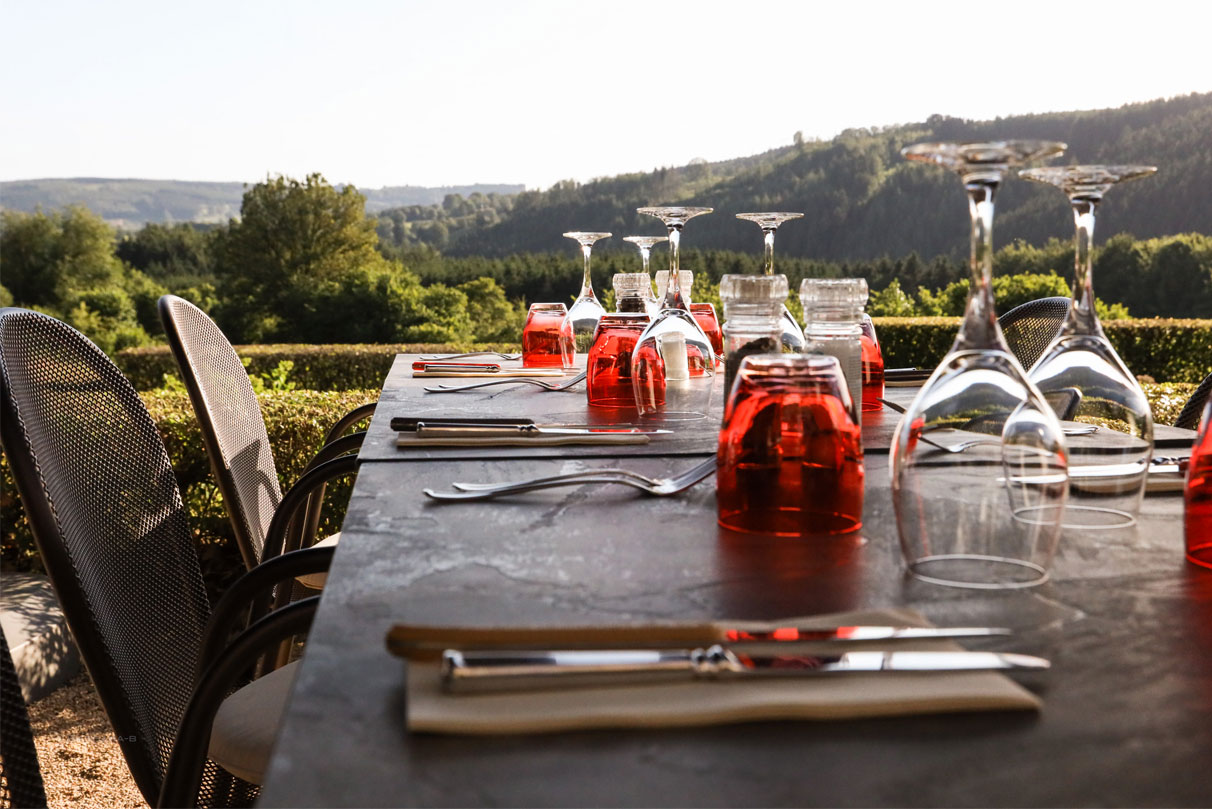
990	515
673	364
586	310
793	335
645	245
1081	359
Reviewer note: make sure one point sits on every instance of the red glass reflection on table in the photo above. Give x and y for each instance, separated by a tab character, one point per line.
873	368
547	337
704	315
608	368
790	452
1197	498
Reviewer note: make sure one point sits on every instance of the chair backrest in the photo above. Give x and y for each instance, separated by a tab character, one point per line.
1030	327
104	509
20	776
1194	408
233	428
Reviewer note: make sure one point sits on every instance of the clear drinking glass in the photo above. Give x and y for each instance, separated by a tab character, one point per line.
585	311
988	513
547	337
673	365
793	336
1081	361
790	458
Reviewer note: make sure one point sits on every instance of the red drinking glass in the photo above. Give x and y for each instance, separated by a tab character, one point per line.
704	315
873	367
547	337
790	453
1197	498
608	368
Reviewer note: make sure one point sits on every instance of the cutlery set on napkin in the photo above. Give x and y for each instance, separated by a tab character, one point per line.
525	679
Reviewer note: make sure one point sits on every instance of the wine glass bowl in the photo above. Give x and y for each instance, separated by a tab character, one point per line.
1081	359
769	221
586	310
988	517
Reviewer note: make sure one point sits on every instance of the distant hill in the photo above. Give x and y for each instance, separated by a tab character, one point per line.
860	198
133	203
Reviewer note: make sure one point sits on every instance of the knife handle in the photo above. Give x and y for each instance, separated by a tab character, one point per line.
493	670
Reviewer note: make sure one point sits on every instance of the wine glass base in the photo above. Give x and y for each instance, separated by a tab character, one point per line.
1201	555
1097	517
978	572
671	415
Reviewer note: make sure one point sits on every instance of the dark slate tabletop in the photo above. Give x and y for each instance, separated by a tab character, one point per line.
1127	717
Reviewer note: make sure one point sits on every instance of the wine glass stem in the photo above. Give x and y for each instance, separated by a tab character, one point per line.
980	329
673	295
768	269
1082	318
586	283
644	258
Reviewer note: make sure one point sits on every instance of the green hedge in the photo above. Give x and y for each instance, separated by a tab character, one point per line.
296	421
316	367
1166	350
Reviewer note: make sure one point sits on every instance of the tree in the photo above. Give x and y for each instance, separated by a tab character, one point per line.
47	257
293	239
63	263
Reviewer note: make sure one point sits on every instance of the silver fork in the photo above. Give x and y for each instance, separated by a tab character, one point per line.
661	487
564	384
432	357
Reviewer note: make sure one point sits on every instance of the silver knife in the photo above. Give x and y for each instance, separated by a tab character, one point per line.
472	430
472	671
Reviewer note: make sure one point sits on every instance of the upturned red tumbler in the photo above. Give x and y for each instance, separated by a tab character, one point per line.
790	460
608	368
547	337
1197	497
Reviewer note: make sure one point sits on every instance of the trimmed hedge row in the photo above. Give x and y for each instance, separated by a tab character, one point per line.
1164	349
316	367
297	422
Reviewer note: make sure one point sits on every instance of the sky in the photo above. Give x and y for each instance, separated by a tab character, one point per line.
454	92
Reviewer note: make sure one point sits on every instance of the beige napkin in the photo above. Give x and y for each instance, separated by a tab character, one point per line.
702	702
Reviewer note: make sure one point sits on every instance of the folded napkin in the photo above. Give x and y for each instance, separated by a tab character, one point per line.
704	702
411	439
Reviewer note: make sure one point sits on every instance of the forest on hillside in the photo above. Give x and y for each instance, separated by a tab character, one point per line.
860	198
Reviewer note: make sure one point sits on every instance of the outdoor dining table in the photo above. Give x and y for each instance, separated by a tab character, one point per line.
1127	623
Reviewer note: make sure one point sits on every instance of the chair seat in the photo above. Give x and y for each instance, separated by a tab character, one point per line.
315	581
246	725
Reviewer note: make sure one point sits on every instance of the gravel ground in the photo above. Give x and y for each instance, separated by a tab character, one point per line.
82	766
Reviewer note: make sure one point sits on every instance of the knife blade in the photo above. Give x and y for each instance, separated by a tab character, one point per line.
419	640
453	430
465	671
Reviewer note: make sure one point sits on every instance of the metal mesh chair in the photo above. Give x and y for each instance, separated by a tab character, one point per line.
234	433
1030	327
105	512
1194	408
20	776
